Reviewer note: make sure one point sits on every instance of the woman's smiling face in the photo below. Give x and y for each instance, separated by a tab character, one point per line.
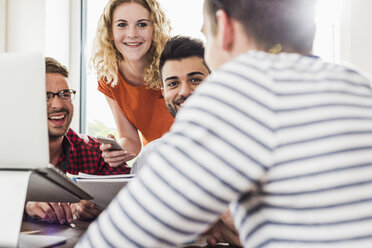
132	30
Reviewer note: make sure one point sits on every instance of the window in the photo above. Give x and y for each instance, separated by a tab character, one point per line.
327	37
98	114
99	119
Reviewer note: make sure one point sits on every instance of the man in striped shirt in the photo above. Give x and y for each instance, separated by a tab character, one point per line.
284	141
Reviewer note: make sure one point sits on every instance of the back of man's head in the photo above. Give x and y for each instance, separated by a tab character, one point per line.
289	23
181	47
53	66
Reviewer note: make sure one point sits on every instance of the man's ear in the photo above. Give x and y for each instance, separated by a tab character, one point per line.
162	91
225	30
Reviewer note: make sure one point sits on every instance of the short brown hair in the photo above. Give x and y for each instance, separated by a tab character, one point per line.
289	23
53	66
181	47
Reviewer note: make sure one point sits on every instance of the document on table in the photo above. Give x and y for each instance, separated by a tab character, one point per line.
102	188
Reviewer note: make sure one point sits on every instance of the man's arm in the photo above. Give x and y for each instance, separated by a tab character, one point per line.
52	212
170	202
162	207
189	180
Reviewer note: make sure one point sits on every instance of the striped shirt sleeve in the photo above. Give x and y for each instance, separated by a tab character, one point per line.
191	178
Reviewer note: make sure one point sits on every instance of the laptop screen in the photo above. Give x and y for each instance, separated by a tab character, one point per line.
23	129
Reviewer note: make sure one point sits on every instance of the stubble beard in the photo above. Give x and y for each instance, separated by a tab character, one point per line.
172	110
62	131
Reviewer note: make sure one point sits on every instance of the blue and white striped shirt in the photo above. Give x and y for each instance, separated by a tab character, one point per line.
284	141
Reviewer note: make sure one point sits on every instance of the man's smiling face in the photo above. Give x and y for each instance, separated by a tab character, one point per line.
60	111
180	78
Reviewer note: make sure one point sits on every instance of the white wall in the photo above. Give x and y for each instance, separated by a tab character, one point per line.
356	38
74	56
25	26
57	30
50	27
2	25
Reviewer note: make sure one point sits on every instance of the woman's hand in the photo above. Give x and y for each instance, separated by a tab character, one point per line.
85	210
117	157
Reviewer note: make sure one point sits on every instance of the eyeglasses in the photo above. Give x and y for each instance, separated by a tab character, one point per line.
64	95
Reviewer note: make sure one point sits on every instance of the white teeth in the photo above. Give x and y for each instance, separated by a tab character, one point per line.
57	117
133	44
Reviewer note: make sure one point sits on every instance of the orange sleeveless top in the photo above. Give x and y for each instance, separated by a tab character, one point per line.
144	108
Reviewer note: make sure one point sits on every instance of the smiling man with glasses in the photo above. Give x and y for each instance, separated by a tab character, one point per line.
68	151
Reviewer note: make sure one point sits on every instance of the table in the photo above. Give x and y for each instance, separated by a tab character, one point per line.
73	234
43	228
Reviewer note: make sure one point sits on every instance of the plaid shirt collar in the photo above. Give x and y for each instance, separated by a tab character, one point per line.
64	157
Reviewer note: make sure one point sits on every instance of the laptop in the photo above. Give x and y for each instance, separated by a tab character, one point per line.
25	172
24	129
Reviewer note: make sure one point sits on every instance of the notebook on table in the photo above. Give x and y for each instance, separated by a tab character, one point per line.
103	188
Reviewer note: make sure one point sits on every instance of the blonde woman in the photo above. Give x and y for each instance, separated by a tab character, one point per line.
130	37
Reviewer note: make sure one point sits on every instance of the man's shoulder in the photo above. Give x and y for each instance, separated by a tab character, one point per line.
263	61
139	162
262	66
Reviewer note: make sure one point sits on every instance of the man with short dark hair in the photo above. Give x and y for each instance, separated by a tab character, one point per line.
182	69
282	140
68	151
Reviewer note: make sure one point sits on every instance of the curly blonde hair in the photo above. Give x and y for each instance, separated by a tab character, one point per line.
105	55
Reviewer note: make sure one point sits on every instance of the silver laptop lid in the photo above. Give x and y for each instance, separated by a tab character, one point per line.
24	130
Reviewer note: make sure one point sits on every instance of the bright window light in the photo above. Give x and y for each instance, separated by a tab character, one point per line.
327	38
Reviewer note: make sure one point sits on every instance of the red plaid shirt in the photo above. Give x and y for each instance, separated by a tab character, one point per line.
81	153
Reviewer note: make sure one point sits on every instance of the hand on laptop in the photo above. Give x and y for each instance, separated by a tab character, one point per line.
85	210
52	212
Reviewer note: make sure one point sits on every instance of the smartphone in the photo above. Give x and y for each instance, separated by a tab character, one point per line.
114	144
